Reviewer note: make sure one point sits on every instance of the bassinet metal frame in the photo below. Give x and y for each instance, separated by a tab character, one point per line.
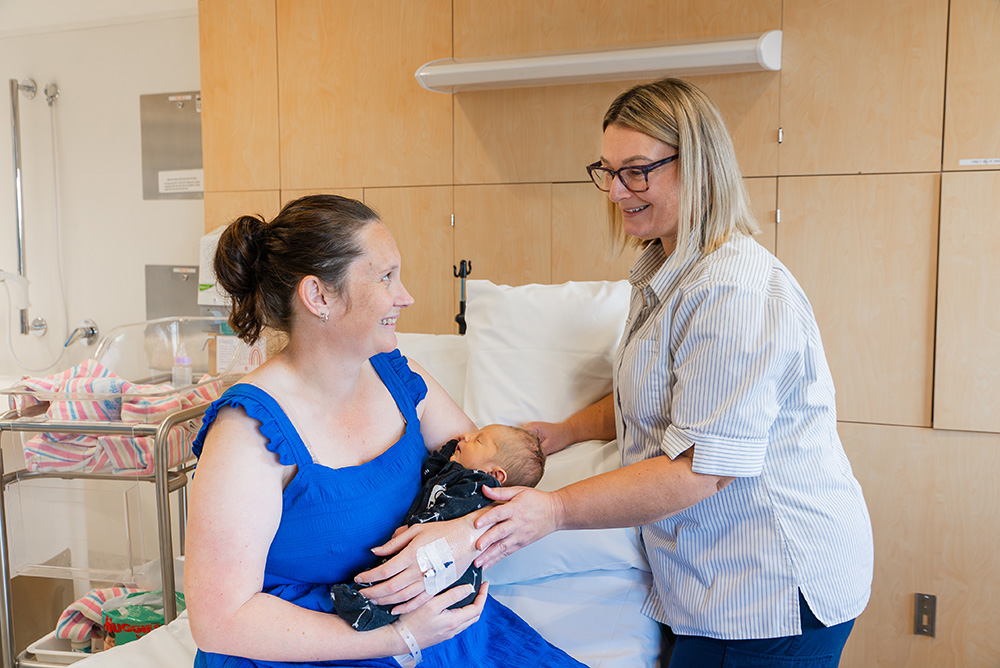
164	480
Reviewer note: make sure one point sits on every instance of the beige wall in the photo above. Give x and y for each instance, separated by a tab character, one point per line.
884	180
107	232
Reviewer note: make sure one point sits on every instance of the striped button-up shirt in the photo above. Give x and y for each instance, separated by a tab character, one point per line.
722	352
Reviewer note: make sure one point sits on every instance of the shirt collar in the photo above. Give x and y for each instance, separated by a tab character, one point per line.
654	271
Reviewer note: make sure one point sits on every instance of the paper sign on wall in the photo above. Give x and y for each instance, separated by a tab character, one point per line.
247	357
182	181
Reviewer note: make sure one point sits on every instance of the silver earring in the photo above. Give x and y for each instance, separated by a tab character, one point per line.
324	316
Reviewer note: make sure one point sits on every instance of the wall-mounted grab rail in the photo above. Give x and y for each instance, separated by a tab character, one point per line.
29	89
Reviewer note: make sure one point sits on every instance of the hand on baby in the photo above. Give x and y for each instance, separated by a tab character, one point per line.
553	437
523	516
400	579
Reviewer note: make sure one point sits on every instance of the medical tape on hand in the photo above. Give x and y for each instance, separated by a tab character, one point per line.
437	564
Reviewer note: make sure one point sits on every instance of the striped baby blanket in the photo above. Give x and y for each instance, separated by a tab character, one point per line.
90	391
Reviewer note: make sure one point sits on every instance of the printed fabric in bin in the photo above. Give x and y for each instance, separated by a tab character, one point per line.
95	393
83	619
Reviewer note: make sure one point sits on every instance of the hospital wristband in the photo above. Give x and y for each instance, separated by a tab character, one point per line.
414	657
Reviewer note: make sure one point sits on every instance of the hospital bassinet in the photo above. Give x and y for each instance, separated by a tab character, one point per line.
102	432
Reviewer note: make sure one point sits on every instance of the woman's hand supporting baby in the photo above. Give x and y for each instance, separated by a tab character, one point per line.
596	421
433	622
400	580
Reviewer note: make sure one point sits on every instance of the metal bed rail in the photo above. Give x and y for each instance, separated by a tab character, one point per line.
164	481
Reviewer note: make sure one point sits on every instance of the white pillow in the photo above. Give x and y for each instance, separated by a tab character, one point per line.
443	356
540	352
574	551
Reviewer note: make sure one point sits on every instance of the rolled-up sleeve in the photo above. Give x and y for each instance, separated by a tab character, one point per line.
730	347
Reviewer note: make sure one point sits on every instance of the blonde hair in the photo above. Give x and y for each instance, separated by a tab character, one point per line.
520	455
713	202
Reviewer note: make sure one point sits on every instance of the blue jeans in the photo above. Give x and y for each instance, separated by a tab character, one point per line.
818	647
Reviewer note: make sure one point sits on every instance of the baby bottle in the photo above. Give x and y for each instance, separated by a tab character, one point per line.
180	375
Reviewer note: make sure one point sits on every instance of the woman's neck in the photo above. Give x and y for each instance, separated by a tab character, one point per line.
309	367
669	244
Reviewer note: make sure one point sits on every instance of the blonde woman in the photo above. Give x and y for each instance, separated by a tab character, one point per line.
754	525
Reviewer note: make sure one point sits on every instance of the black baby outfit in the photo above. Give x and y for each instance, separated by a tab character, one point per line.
448	491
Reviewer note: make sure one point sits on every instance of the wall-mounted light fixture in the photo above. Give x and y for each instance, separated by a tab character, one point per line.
752	53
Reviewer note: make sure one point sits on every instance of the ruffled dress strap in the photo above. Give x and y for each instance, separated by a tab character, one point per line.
405	385
282	438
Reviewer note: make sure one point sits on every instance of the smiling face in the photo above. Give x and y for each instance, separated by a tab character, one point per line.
651	214
376	294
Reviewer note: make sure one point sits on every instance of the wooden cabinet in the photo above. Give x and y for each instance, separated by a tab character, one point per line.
530	135
354	193
967	375
764	200
971	130
548	134
505	231
581	249
864	249
862	86
933	511
506	27
420	220
239	94
352	113
222	208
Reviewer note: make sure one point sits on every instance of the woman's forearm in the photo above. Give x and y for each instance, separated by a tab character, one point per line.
268	628
595	422
641	493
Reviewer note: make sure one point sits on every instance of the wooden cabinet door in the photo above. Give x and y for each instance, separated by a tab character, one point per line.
239	94
352	113
353	193
864	249
862	86
967	363
420	221
581	248
505	231
927	487
222	208
972	130
764	200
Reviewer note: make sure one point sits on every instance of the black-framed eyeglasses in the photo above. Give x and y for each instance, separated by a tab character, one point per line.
633	177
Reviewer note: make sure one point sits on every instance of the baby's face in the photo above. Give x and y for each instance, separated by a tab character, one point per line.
477	450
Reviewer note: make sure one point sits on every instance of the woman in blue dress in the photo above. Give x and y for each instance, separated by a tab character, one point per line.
309	464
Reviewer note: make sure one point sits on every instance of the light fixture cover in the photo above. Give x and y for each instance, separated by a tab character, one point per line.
751	53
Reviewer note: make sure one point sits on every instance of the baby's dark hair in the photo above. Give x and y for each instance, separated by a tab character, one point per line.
520	455
260	264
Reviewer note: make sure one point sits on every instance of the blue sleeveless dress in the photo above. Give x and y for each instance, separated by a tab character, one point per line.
331	518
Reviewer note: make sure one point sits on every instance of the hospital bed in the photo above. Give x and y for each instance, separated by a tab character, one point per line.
533	352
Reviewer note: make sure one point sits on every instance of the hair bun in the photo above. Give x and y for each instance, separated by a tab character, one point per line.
241	255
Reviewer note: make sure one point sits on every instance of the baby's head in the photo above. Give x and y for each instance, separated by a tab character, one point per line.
511	455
